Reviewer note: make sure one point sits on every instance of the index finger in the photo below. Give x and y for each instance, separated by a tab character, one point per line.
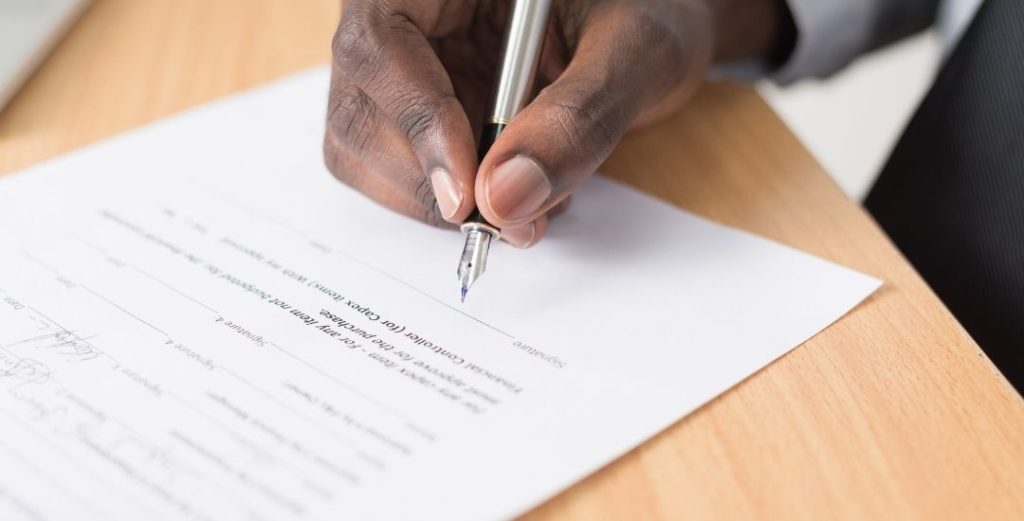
382	47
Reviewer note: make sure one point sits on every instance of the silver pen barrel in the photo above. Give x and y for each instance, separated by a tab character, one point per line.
524	40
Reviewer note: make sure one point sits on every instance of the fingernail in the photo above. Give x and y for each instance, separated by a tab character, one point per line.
446	191
520	236
517	188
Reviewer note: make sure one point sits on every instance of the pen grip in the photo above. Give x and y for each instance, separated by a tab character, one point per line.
488	135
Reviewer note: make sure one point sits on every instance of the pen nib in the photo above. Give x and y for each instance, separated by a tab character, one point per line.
474	257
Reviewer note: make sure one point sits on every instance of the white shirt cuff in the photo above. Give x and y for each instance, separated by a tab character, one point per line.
830	34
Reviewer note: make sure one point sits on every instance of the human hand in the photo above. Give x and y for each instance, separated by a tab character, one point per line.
412	80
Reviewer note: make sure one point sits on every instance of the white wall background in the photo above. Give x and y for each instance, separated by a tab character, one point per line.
851	121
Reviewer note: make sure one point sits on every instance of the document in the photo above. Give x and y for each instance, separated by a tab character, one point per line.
198	322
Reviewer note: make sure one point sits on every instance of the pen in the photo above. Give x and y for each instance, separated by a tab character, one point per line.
523	41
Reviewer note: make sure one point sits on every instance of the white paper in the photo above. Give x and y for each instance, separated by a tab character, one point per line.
163	299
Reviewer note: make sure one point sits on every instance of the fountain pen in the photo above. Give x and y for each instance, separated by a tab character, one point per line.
524	39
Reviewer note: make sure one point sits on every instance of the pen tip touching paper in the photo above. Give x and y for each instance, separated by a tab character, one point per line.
474	256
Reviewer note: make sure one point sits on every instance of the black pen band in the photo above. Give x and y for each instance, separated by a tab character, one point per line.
488	135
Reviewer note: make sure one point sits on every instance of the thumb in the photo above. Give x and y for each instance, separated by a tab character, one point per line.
621	67
548	150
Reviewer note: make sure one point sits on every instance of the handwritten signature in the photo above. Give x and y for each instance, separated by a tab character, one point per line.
62	342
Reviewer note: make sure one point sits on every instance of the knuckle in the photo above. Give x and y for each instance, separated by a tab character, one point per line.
357	45
417	114
351	117
348	98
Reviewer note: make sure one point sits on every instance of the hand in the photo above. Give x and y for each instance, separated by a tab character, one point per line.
412	80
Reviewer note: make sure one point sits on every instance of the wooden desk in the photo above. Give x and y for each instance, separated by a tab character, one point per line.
891	413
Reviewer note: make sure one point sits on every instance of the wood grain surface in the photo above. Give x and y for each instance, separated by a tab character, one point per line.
892	413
